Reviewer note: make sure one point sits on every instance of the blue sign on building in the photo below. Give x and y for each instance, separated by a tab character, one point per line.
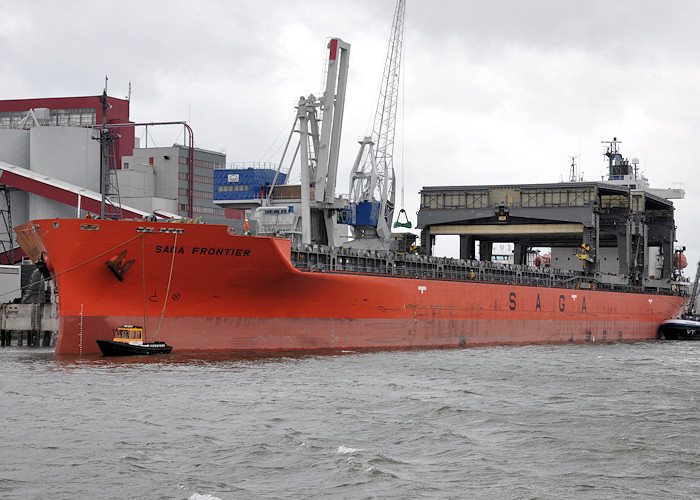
244	183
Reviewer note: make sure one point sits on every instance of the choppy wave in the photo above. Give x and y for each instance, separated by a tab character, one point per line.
344	450
610	421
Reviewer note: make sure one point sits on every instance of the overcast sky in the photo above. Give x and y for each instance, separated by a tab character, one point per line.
493	91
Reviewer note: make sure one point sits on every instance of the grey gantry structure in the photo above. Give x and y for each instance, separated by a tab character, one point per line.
613	227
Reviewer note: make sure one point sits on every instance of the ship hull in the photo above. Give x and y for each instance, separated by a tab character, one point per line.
199	288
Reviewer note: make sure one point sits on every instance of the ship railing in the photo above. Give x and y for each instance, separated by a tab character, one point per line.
318	258
572	284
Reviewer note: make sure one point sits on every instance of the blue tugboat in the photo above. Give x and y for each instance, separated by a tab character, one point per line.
128	341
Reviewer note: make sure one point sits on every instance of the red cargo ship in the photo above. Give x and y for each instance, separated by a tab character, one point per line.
199	288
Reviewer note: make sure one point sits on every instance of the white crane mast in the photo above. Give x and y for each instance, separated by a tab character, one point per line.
372	177
692	310
318	148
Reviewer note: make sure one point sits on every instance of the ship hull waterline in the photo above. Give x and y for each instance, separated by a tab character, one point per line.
199	288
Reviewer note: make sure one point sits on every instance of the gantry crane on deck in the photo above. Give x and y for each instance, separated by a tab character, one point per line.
318	124
372	179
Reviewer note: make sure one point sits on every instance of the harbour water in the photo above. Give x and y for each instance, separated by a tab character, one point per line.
570	421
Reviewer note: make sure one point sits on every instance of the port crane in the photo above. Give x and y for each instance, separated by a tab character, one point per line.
318	125
691	310
372	178
319	214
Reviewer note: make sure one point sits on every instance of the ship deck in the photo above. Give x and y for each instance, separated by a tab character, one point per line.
320	258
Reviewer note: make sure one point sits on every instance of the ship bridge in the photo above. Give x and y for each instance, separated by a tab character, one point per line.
597	226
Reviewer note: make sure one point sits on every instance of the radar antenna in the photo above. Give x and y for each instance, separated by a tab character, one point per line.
573	175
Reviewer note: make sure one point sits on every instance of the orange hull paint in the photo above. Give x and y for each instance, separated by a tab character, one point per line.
241	293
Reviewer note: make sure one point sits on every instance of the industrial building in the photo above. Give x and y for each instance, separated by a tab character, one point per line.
51	156
153	179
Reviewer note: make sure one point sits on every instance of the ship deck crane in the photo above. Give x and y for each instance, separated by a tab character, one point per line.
319	124
691	310
317	216
372	179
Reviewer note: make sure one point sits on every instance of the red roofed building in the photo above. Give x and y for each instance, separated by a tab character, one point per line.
73	112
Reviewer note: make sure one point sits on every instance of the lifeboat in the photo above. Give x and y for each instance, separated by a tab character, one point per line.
680	261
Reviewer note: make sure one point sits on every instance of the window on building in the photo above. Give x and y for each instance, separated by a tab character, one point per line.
83	117
208	210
